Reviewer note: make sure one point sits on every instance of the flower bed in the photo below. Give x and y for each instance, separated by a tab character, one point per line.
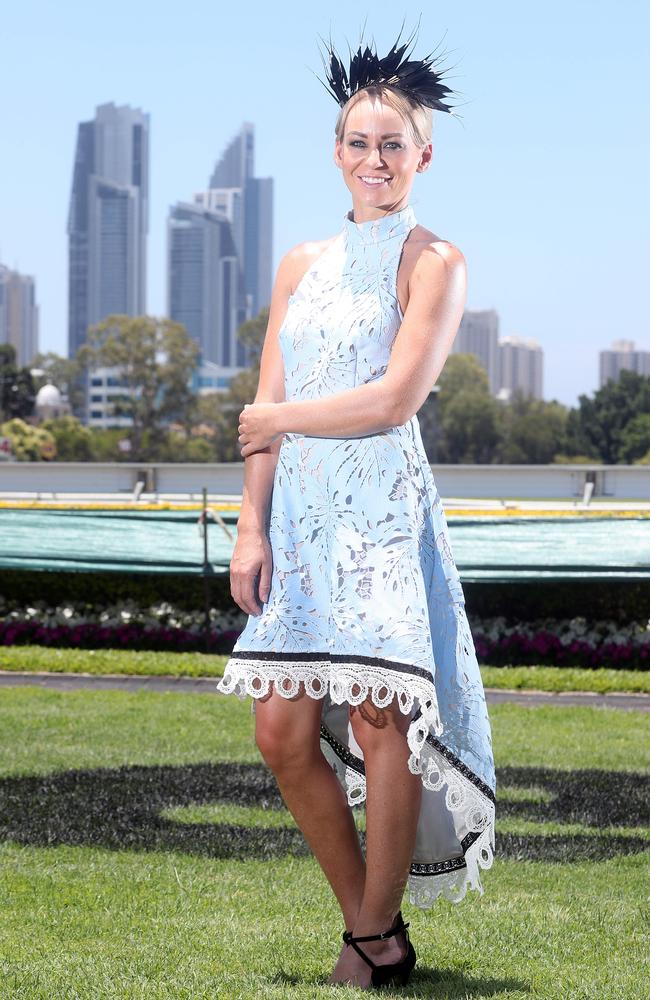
498	640
563	642
123	626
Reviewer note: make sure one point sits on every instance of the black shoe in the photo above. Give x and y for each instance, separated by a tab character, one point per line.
398	973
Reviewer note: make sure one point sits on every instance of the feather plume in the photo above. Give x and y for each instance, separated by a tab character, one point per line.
419	79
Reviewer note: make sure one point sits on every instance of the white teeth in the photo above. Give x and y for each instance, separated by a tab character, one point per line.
375	180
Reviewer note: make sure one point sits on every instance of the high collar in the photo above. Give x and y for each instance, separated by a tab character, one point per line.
378	230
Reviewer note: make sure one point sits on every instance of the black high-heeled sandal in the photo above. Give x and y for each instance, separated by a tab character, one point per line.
397	972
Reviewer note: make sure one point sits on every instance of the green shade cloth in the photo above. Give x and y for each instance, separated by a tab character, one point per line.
486	548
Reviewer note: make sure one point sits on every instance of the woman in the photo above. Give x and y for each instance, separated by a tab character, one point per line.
357	650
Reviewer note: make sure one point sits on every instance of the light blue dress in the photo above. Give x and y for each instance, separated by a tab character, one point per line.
365	597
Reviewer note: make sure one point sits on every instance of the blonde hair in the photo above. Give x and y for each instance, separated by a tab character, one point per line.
417	117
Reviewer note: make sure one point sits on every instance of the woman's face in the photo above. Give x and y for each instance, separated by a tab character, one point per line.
378	158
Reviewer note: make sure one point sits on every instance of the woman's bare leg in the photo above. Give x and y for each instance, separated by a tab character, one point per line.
393	798
287	732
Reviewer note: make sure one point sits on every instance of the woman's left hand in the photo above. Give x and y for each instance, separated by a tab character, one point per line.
257	427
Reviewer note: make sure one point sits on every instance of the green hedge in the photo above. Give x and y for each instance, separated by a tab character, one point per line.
618	600
183	590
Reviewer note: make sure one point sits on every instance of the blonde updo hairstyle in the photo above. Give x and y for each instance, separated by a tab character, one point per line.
418	118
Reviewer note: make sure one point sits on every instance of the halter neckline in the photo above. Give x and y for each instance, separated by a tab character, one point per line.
378	230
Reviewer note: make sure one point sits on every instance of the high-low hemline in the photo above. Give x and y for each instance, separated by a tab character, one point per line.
352	680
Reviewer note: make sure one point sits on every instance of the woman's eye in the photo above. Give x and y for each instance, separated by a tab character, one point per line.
359	142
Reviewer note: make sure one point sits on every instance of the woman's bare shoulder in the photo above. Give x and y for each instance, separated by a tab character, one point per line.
297	261
432	254
424	242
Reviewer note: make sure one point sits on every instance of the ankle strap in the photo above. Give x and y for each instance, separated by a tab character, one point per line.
398	926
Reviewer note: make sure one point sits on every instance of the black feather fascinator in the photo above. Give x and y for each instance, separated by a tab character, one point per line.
419	79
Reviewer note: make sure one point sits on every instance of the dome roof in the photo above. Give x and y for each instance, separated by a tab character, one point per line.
48	395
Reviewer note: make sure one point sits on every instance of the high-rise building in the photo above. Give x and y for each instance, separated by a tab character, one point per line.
247	202
521	364
203	283
623	354
18	315
108	219
478	334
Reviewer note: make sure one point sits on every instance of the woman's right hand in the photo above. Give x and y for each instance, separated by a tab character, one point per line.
252	559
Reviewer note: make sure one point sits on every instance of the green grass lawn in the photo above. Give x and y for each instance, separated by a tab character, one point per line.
144	852
117	661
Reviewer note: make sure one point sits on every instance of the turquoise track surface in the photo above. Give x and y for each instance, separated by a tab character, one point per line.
485	548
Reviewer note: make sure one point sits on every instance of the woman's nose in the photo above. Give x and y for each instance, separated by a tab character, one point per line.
374	156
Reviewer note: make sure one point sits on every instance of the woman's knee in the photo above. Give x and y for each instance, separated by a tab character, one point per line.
286	731
272	742
377	728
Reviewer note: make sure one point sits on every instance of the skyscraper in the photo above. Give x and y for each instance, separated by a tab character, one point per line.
622	354
247	202
203	282
108	219
478	334
18	314
521	365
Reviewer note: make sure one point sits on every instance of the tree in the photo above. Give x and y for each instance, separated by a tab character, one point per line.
214	411
252	333
155	359
635	439
74	442
530	430
17	393
576	444
601	421
467	412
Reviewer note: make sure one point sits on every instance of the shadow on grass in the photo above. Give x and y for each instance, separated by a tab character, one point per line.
425	981
121	809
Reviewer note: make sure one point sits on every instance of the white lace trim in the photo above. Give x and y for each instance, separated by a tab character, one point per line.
253	677
453	885
353	682
477	814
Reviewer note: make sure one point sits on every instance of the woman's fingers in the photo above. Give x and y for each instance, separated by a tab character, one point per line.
252	561
265	578
248	594
242	589
242	594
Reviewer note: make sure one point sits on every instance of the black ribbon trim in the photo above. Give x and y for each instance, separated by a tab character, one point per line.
460	765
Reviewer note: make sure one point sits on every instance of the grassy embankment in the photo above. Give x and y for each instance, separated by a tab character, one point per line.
139	858
116	661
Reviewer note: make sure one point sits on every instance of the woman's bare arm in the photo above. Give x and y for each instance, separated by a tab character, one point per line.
252	553
437	291
259	467
251	556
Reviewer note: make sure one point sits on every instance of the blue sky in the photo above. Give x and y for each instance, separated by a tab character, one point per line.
543	185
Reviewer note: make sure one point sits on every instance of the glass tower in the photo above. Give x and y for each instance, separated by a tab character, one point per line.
108	219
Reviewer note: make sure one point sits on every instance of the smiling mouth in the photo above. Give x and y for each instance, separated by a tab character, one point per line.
371	181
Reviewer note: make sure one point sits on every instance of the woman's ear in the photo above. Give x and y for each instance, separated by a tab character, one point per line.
337	153
426	157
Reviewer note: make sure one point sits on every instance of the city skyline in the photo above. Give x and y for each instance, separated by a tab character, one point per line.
531	187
